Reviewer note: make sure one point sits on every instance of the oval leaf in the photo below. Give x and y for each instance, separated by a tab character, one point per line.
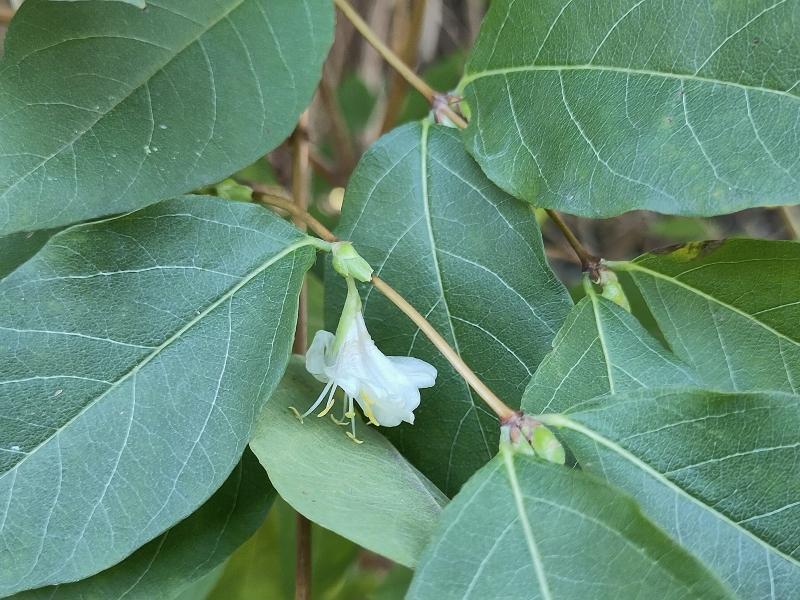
729	309
525	529
129	388
105	108
720	472
365	492
597	108
169	565
470	259
600	349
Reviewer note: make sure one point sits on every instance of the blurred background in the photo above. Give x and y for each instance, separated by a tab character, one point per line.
360	98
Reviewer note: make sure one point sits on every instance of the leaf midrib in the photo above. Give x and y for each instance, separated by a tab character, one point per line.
472	77
149	76
164	345
564	421
519	503
438	269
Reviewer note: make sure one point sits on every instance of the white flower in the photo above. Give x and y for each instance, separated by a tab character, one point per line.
385	387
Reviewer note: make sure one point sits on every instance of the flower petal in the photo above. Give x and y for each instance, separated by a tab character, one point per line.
316	362
389	410
418	372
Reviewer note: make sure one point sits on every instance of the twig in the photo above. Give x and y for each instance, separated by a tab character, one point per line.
289	206
6	14
301	184
791	221
302	564
500	408
407	30
341	133
432	96
589	262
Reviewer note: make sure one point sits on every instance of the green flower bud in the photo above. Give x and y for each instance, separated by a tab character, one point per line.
233	190
612	290
348	262
547	446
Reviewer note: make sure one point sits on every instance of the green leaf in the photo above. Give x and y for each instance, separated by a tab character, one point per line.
525	529
168	565
729	309
597	108
470	259
720	472
600	349
366	492
16	248
106	109
135	355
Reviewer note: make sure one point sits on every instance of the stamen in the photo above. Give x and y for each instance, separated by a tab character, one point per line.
352	435
325	390
354	438
329	405
296	413
337	421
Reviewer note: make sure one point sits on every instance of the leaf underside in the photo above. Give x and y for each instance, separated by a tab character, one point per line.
719	471
523	529
106	109
730	310
169	565
601	349
170	327
598	108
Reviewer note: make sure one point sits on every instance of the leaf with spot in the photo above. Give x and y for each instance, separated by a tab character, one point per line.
379	500
106	108
719	471
186	554
730	310
135	355
522	529
469	258
600	349
597	108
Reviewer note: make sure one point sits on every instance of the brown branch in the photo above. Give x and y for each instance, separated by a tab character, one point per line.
301	184
302	564
433	97
589	262
407	30
791	222
339	128
6	14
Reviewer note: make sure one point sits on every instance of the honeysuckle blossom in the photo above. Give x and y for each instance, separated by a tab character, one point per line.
385	387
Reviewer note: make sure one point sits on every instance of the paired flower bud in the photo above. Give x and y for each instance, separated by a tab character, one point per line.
525	435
